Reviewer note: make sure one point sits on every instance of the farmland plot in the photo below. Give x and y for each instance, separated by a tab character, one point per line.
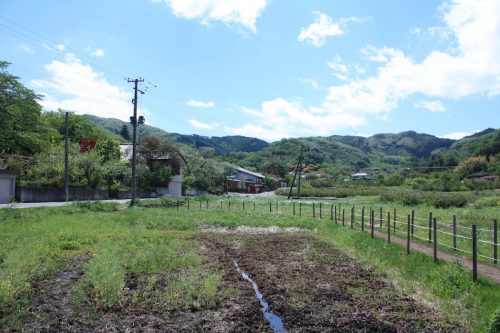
309	284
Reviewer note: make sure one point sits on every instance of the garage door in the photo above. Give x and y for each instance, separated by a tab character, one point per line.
6	190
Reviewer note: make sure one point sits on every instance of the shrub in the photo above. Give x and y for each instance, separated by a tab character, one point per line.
495	322
436	199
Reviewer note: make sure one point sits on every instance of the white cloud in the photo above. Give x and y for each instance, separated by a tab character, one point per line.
60	47
432	106
324	27
311	82
97	53
241	12
471	68
26	48
280	118
77	87
200	104
200	125
341	69
383	54
455	135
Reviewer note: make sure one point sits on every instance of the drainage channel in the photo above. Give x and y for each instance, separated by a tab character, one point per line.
273	320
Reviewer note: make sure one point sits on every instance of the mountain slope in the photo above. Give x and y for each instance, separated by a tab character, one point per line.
336	152
221	145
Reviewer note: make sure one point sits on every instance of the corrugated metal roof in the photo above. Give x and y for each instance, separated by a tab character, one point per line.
256	174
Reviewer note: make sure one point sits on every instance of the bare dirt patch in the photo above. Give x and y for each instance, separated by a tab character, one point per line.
51	310
311	285
314	287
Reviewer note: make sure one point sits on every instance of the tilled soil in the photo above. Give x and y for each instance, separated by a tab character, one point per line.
311	285
314	287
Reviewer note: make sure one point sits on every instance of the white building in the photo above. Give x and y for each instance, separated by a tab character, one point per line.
174	187
361	176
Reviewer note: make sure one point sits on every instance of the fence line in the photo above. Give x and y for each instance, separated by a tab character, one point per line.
470	239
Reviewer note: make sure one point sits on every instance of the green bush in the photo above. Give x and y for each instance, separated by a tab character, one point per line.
495	322
436	199
487	202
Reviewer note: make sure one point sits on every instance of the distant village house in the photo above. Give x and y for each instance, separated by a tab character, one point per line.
245	181
361	176
174	187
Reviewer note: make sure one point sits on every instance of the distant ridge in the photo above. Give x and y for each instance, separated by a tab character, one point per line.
348	153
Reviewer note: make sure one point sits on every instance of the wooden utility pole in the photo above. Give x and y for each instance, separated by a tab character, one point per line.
66	153
299	165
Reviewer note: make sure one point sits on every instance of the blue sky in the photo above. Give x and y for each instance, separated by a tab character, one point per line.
264	68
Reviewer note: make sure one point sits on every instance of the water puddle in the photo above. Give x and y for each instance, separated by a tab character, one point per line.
274	320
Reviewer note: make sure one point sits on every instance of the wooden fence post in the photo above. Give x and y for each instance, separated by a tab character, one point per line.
188	202
200	203
270	206
408	236
412	222
434	244
331	213
381	217
363	218
335	214
177	204
430	227
293	208
229	205
388	227
495	242
207	205
372	224
300	208
474	253
394	221
454	231
343	217
320	212
314	211
221	204
352	217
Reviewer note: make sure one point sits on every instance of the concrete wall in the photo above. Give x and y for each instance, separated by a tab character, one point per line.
46	194
175	186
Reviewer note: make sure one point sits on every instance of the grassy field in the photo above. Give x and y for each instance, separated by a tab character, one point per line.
160	246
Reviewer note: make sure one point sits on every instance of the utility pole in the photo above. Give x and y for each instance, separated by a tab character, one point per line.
135	122
299	165
66	153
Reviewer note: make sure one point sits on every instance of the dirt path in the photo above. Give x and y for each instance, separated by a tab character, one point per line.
484	269
314	287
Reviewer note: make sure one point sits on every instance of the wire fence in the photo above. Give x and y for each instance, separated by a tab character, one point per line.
470	241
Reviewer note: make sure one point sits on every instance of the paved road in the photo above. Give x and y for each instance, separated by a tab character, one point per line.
52	204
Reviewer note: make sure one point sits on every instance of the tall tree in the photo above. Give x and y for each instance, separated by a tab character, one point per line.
21	130
124	132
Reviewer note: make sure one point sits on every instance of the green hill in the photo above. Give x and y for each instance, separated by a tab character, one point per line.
333	154
221	145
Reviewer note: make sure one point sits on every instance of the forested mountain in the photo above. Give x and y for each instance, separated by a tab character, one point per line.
332	155
221	145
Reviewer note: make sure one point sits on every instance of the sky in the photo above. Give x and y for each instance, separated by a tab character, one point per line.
269	69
